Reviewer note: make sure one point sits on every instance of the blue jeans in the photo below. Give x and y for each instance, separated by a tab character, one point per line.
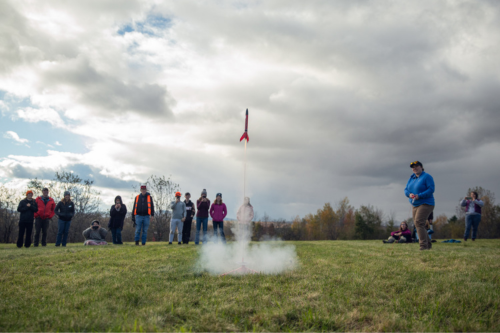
219	225
142	223
199	221
116	233
62	232
471	220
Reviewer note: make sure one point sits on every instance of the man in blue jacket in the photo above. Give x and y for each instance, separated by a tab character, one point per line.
420	191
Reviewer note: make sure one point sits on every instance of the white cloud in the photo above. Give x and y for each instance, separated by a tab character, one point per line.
14	136
34	115
57	143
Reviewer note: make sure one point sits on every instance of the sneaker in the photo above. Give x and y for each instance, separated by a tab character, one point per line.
433	241
179	243
143	244
473	239
169	243
465	239
136	242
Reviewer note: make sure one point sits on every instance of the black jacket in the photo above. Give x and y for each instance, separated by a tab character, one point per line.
142	206
190	210
65	211
27	213
117	217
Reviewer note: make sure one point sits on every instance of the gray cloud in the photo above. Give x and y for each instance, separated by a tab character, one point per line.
106	94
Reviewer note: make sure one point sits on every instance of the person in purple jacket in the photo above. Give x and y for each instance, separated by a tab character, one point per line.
402	235
218	212
203	205
473	207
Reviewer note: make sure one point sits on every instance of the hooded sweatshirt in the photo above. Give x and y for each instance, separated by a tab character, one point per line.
95	235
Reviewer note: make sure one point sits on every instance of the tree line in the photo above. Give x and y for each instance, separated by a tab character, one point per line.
344	222
331	222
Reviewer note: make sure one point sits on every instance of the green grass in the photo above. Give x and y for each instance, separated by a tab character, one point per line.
340	285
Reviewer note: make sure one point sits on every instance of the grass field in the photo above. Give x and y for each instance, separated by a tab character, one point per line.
340	285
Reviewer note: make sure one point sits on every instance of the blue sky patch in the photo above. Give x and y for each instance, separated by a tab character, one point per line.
148	26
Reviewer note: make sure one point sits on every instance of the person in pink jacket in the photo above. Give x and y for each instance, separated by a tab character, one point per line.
218	212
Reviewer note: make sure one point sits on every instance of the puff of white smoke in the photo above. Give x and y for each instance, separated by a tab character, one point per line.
272	257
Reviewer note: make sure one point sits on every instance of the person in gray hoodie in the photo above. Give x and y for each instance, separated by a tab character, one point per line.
178	217
95	235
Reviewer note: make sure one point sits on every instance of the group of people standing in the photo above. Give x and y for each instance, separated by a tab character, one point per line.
43	209
420	191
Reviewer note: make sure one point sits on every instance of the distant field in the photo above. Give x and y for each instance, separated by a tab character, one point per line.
340	285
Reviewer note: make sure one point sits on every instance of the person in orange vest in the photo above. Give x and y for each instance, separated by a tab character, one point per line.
142	211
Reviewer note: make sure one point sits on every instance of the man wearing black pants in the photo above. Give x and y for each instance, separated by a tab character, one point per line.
190	212
27	207
46	211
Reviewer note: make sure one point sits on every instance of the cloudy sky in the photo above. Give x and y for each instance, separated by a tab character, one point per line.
342	95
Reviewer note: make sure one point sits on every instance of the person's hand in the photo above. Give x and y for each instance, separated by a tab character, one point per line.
183	219
117	206
416	196
29	205
412	195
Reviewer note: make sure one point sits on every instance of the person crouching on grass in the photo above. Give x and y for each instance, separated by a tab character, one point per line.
27	207
118	212
420	191
95	235
218	212
402	235
178	217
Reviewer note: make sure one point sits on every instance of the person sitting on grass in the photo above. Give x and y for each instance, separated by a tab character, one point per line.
403	235
95	235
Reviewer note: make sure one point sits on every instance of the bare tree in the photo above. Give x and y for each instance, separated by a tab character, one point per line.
9	218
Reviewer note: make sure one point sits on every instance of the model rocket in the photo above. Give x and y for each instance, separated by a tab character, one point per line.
245	135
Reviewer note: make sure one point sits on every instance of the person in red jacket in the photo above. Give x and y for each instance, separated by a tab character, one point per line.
46	210
218	212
